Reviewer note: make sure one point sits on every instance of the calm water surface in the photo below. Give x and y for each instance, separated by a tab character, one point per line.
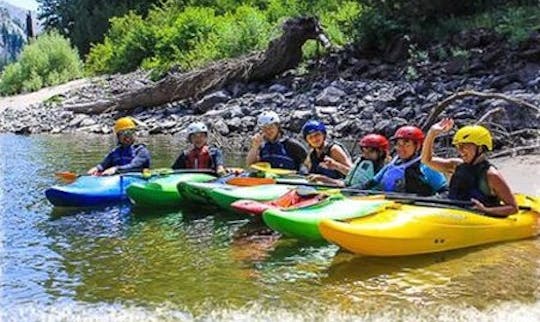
199	264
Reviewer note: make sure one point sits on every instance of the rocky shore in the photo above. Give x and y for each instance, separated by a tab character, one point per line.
350	89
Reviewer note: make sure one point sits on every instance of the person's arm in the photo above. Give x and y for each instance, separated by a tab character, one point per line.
307	162
141	158
325	180
502	190
436	163
105	164
338	160
219	161
253	153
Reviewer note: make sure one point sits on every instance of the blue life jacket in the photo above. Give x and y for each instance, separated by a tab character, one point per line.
276	154
317	159
469	181
410	176
122	155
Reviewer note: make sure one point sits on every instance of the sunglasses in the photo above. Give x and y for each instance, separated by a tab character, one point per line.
127	133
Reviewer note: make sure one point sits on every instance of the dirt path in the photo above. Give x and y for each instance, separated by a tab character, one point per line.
24	100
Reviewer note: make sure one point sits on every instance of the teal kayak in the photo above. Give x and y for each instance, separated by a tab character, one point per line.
162	191
303	222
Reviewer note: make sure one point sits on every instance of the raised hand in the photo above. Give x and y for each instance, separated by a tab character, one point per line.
443	125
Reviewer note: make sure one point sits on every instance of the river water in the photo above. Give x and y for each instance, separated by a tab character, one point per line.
112	264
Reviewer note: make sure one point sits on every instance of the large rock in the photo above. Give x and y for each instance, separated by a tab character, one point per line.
330	96
209	101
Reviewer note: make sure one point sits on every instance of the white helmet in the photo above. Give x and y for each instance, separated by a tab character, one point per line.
197	127
268	117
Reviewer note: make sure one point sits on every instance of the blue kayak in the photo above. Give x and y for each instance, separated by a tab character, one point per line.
91	191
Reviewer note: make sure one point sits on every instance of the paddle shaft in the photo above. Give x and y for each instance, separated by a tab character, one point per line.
396	196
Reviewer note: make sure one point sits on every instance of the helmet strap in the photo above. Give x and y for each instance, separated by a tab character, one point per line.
478	154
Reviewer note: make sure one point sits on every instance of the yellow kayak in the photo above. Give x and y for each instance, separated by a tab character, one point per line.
408	230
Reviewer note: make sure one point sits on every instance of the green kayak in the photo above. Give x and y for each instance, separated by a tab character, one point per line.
162	191
198	193
225	196
302	223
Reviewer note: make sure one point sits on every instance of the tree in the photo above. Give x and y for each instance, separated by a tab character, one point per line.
85	22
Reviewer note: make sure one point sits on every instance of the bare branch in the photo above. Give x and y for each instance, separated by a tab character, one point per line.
460	95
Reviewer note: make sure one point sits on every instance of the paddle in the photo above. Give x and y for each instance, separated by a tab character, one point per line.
412	198
266	167
69	177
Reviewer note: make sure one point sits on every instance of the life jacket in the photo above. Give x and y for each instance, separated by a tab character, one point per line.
316	160
410	176
123	155
199	158
469	181
276	154
392	176
362	171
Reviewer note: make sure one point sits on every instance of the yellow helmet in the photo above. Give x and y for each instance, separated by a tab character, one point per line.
475	134
124	123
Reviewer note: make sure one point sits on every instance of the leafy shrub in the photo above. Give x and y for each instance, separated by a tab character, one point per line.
50	60
187	37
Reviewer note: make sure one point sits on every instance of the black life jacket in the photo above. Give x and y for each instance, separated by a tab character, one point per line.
470	181
316	160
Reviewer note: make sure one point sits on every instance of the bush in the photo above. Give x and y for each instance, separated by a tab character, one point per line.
50	60
188	37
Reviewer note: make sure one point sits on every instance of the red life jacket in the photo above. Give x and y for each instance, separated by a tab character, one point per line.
199	158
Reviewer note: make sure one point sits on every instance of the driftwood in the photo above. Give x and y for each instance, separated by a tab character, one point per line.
459	95
515	151
283	53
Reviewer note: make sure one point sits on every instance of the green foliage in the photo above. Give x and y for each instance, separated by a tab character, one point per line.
185	37
417	58
50	60
85	22
374	30
514	22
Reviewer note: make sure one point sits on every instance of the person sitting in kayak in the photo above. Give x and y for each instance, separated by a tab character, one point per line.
405	173
270	145
473	177
326	158
375	151
126	156
200	155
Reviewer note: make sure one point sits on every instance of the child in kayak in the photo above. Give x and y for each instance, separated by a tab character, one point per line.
374	148
326	158
270	145
200	155
473	177
126	156
405	173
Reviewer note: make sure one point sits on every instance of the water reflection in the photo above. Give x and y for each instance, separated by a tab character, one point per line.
200	262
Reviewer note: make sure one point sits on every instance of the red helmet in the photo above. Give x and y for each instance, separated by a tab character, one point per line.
374	141
409	133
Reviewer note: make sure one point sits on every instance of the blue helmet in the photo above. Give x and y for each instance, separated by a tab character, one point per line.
313	126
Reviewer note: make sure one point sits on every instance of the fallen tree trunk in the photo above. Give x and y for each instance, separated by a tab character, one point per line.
283	53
